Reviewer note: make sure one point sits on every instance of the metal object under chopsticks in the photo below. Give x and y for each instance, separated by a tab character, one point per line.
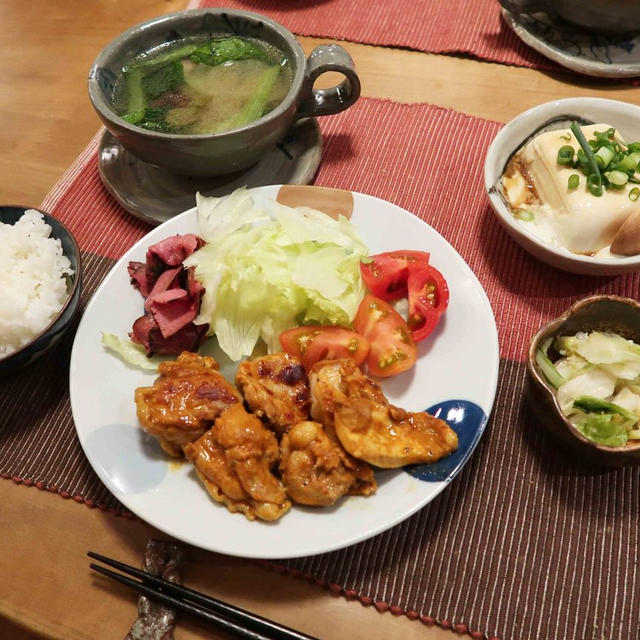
223	615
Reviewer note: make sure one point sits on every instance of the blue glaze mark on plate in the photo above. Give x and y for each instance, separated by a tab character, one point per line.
468	420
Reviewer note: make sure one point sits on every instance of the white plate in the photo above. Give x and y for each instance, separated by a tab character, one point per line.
457	369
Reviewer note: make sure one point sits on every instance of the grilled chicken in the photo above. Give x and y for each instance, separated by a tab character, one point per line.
316	470
370	428
234	460
276	388
184	401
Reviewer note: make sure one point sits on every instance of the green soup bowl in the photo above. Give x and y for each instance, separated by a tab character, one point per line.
228	151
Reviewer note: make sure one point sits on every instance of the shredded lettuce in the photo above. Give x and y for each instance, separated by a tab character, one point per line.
130	352
594	382
267	271
600	348
570	366
600	394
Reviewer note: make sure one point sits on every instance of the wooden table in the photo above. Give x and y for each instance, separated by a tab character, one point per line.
45	121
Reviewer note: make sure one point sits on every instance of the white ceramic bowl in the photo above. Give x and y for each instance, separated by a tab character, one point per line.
623	116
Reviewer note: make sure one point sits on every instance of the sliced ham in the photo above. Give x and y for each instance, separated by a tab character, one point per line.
172	297
174	250
168	280
147	333
172	310
139	277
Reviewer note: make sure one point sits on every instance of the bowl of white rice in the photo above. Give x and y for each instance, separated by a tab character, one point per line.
40	280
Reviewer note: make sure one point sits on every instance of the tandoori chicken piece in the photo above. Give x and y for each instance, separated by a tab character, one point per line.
276	388
234	460
368	426
316	470
184	401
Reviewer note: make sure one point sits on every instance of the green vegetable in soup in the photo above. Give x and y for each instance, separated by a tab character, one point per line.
202	87
142	89
162	80
216	52
170	56
135	96
255	107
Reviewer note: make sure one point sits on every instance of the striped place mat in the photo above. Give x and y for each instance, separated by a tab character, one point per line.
526	542
452	26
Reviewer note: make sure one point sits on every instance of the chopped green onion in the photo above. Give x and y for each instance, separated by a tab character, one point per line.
617	178
525	215
565	154
566	137
574	181
594	184
604	155
594	181
634	194
627	163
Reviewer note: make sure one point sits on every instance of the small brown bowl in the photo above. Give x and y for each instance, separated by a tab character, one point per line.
596	313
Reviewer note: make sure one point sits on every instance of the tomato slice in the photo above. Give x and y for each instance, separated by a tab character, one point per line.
314	343
428	300
392	349
385	274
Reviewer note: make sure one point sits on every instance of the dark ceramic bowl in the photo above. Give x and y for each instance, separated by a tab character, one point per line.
54	331
597	313
228	151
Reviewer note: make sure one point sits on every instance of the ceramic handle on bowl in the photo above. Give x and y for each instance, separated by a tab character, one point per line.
525	6
324	102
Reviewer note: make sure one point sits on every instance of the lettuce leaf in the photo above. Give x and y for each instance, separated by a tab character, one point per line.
130	352
267	271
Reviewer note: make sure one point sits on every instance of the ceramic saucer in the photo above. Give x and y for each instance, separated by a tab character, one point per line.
605	56
155	195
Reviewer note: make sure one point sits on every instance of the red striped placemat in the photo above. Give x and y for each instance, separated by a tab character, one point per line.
526	542
452	26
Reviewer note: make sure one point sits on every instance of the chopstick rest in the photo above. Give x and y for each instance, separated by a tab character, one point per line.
215	612
162	558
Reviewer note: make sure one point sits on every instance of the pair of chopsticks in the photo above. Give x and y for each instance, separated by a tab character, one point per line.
220	614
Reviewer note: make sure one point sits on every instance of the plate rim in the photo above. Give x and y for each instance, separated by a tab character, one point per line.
588	67
438	487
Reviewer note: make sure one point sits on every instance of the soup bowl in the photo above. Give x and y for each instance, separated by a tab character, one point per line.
228	151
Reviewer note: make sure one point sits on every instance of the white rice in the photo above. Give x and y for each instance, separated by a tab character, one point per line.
32	283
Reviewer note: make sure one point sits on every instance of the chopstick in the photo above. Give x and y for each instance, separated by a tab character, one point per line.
220	614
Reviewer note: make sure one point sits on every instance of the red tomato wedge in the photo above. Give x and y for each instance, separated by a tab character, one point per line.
392	349
314	343
428	300
385	274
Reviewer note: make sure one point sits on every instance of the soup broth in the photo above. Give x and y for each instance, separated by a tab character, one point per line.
201	86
